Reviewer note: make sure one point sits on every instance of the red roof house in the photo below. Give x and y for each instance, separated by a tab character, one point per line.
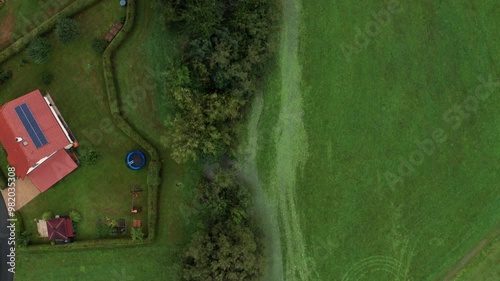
60	228
37	139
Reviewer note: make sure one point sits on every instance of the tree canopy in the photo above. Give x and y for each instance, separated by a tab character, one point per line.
67	30
224	252
228	245
223	52
39	50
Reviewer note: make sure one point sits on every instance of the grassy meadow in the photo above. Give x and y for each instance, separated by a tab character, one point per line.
351	108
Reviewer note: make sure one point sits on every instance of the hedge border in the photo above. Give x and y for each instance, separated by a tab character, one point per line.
109	243
45	27
154	168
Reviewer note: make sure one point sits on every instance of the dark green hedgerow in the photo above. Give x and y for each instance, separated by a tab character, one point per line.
225	48
154	167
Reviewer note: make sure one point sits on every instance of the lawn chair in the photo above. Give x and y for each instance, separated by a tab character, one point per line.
122	228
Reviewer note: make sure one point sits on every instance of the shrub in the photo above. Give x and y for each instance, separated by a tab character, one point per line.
123	19
91	157
5	76
47	78
75	216
3	181
67	30
47	215
137	234
19	223
39	50
99	45
102	228
25	239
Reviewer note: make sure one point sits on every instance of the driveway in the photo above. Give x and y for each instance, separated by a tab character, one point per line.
25	192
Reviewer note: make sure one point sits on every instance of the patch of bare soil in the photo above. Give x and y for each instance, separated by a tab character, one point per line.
6	27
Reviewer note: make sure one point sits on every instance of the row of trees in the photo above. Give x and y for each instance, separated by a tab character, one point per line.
223	53
227	245
224	49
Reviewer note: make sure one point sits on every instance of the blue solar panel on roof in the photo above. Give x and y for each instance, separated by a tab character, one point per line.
31	126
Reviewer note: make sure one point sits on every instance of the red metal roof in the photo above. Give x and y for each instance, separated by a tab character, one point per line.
59	228
23	157
52	170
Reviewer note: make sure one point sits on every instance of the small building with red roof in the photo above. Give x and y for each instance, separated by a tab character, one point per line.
60	229
37	140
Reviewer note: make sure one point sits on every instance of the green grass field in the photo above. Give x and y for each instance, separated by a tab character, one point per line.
331	129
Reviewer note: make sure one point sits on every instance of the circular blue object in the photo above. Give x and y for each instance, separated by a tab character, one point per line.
136	159
123	3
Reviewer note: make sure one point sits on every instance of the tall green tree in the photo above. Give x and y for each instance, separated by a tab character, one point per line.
67	30
224	252
39	50
203	124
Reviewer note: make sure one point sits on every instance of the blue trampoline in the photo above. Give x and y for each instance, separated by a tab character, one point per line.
136	159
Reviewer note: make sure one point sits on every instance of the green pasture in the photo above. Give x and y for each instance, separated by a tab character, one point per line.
347	113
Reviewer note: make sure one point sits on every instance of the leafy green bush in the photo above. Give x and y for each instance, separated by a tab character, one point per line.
137	234
99	45
39	50
47	78
91	157
75	216
5	76
103	228
47	215
3	181
67	30
24	239
19	223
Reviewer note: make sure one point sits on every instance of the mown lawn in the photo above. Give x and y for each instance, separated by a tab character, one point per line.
147	48
19	17
79	92
338	126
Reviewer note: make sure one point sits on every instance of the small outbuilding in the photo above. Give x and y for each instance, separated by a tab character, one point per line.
60	230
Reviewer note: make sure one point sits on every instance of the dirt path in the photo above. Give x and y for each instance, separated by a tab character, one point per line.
289	257
267	214
472	254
